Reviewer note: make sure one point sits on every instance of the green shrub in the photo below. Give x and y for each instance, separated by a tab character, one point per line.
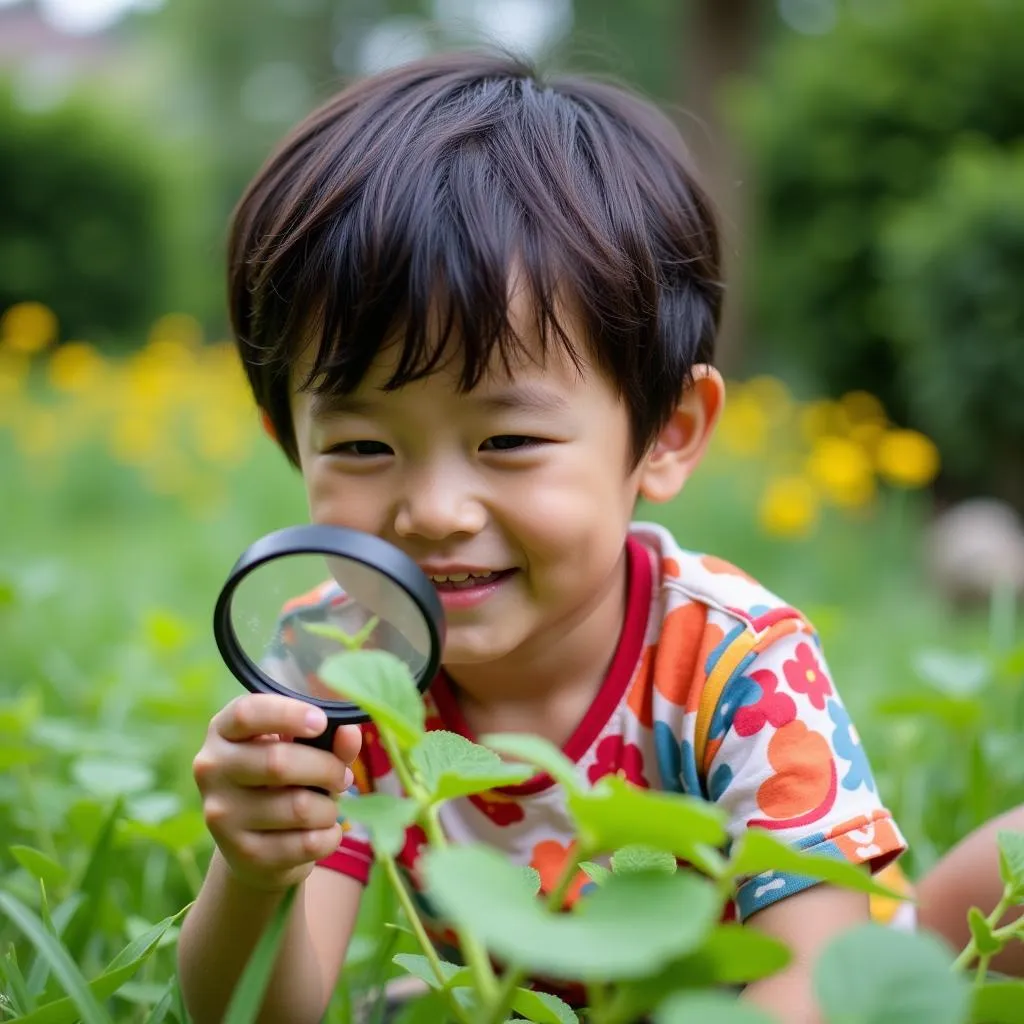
955	260
84	214
844	129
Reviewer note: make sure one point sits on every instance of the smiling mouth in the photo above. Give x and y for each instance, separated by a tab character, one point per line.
468	580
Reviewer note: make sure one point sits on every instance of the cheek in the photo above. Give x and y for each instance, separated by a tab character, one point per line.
337	502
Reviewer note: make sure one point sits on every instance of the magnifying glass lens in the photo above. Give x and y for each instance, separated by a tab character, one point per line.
276	603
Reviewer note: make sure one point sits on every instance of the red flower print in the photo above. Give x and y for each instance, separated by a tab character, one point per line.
772	708
502	810
373	754
614	756
548	861
408	857
805	675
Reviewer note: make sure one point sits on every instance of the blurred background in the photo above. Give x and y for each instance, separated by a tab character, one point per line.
868	158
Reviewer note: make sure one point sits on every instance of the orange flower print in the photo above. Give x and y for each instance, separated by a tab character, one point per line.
614	756
721	567
501	809
548	860
803	786
805	675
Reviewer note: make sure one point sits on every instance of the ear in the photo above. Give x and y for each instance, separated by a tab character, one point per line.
681	445
268	426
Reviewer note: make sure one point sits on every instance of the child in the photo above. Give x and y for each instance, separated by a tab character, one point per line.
478	313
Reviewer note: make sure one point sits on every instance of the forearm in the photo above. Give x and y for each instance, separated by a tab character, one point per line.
218	937
787	996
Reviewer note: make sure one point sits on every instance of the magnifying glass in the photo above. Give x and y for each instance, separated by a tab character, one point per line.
312	575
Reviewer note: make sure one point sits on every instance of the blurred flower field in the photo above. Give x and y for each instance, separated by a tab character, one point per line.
131	484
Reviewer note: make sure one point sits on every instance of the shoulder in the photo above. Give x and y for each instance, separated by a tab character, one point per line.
721	593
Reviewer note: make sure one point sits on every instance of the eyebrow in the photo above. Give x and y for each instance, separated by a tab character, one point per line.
521	397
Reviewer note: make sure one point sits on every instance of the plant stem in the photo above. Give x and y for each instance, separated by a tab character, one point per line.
391	868
970	951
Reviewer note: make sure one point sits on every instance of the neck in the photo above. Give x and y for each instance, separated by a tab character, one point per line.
558	673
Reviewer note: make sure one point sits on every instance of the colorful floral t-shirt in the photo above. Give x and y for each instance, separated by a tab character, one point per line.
768	739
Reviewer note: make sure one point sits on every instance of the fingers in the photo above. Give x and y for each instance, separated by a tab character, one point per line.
348	741
284	810
256	714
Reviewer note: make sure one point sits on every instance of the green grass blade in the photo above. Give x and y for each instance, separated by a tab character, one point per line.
61	964
15	989
163	1005
252	986
40	972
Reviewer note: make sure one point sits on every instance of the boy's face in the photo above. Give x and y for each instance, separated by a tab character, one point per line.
526	484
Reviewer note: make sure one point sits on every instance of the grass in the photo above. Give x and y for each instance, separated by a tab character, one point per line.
109	676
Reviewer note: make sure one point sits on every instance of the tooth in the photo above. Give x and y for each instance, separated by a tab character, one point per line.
458	577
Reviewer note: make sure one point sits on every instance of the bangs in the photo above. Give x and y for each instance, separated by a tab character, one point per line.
407	213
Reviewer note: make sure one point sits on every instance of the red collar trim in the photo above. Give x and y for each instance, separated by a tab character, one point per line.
620	672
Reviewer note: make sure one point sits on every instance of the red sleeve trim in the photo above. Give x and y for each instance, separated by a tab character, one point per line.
353	858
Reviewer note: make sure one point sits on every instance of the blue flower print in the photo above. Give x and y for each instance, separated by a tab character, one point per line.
740	692
676	761
847	745
719	781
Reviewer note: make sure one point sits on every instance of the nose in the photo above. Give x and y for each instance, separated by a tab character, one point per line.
439	503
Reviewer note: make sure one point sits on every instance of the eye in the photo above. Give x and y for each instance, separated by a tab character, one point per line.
360	449
510	443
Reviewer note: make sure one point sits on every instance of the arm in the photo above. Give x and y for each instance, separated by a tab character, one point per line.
806	923
222	929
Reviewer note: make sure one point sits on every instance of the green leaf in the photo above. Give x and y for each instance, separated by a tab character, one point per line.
15	987
1011	860
758	852
615	814
985	940
165	632
106	777
419	967
543	1008
626	928
56	924
642	858
381	685
709	1008
385	817
163	1005
350	641
544	756
182	832
117	973
877	975
38	864
252	985
532	878
451	766
732	955
956	675
595	872
60	962
998	1003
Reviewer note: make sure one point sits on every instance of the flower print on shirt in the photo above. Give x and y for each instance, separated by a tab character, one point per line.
502	810
769	708
805	675
847	745
614	756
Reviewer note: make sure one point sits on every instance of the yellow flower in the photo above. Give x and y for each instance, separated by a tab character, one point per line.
178	330
907	459
744	424
822	418
75	367
842	471
28	327
13	373
861	407
772	395
788	507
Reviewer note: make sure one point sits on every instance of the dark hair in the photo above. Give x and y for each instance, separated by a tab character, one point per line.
412	198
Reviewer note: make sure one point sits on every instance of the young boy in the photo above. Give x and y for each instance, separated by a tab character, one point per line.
478	313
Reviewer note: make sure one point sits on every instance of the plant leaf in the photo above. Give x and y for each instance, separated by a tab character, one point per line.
544	756
626	928
543	1008
1001	1002
252	985
451	766
956	675
386	818
985	940
15	988
876	975
1011	860
758	852
61	964
419	967
38	864
105	777
709	1008
595	872
381	685
642	858
615	814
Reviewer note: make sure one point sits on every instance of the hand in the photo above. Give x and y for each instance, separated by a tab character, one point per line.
269	826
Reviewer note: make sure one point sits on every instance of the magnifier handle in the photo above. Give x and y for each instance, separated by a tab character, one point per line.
325	741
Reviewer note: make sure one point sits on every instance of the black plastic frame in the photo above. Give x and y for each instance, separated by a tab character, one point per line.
316	539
